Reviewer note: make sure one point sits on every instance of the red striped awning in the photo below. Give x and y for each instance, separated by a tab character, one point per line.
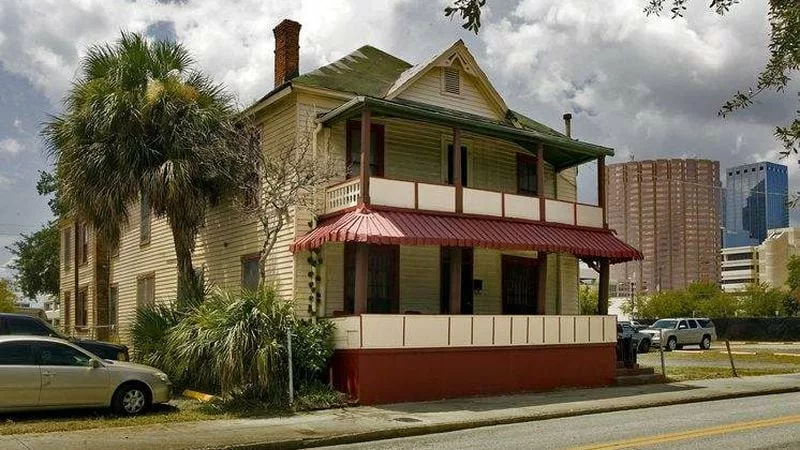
391	227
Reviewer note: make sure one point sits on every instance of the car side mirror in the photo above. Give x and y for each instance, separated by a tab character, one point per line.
95	364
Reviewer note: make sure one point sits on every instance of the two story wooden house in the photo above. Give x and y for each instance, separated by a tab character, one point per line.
449	249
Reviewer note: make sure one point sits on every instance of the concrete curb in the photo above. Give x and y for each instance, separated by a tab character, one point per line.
419	430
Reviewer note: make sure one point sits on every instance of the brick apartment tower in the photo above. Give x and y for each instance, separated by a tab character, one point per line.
671	211
287	51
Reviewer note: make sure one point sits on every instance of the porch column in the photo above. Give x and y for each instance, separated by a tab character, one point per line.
366	128
602	290
541	284
362	274
457	181
601	187
540	179
456	263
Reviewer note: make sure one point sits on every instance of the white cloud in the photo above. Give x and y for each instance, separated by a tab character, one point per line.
10	146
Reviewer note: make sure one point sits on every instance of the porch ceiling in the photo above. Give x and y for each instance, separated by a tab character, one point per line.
560	151
393	227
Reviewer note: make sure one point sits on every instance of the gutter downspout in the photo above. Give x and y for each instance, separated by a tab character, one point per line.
74	298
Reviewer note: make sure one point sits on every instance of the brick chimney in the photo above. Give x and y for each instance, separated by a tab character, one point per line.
287	51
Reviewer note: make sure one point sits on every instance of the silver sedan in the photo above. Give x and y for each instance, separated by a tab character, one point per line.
51	373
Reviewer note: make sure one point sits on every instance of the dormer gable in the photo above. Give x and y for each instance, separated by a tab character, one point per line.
450	79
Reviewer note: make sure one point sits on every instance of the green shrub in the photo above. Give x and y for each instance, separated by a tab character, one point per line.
312	350
236	345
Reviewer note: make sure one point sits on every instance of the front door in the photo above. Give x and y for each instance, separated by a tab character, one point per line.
466	281
383	283
68	378
520	282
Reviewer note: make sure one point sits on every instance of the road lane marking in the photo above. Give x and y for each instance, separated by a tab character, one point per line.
698	433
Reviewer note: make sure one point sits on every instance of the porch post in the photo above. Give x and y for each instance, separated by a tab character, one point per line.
457	181
456	262
366	128
541	284
602	291
540	179
601	187
362	272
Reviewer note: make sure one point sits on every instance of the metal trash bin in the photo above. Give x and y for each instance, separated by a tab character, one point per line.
626	349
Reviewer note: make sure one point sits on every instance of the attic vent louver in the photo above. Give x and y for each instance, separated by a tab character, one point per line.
452	81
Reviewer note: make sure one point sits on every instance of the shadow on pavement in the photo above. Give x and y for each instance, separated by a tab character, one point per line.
535	399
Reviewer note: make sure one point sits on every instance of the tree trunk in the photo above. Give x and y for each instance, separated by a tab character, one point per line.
187	277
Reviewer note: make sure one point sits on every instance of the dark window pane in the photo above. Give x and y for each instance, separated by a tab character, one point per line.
450	165
250	274
53	354
526	175
16	354
354	150
25	326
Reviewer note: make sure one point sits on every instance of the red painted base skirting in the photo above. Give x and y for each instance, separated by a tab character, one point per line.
405	375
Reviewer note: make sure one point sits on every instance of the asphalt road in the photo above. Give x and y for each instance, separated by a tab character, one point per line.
767	422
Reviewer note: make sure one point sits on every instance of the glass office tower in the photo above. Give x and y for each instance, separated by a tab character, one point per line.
756	197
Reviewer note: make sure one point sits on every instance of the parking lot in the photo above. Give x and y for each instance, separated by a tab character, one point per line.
749	359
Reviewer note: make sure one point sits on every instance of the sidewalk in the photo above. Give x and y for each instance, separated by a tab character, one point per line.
388	421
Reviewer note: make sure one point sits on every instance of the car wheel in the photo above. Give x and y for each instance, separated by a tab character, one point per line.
644	346
672	344
131	399
705	344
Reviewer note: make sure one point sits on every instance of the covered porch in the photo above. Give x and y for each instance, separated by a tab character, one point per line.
443	290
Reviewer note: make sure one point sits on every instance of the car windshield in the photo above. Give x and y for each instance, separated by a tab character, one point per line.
665	324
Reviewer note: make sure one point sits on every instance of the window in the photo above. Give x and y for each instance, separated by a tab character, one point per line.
66	240
67	308
464	164
451	81
113	304
55	354
250	273
16	354
83	244
144	220
527	184
27	326
146	290
692	324
354	149
81	307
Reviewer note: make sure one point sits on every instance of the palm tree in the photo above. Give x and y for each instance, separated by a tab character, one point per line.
140	122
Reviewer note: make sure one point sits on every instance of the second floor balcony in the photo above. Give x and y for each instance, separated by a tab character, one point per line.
443	198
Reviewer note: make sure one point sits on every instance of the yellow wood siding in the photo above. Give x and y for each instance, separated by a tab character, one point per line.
420	279
86	279
136	260
428	89
333	277
414	151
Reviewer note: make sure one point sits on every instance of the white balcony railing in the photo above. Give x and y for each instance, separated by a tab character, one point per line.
442	198
436	331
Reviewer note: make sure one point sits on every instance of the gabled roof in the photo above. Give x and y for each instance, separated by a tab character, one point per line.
456	52
372	73
366	71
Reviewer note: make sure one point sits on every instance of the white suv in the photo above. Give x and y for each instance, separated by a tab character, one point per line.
682	331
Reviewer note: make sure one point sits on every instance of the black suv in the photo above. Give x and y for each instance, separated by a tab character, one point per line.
19	324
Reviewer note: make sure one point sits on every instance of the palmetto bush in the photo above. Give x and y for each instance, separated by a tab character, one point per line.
235	345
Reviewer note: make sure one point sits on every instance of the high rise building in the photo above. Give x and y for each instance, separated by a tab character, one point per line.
756	198
670	210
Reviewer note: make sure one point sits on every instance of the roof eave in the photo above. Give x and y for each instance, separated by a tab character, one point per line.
353	107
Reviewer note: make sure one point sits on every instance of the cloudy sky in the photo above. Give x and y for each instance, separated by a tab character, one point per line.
649	87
